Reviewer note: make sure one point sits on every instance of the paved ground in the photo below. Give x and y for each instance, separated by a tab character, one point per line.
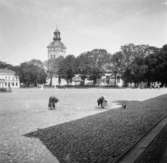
142	145
164	157
25	110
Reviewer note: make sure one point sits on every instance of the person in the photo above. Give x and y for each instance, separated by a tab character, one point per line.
124	106
52	101
101	102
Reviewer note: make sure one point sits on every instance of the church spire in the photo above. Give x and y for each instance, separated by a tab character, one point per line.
56	35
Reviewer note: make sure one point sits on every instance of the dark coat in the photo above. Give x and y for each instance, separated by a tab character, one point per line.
100	101
52	101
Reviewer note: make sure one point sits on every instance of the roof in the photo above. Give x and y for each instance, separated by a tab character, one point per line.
56	31
7	71
56	44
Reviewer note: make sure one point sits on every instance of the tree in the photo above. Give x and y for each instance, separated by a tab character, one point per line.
84	64
127	59
6	65
53	67
142	64
137	71
130	52
90	64
157	63
67	68
31	74
9	66
37	63
116	66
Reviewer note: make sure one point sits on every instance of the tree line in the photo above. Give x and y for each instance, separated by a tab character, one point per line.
134	63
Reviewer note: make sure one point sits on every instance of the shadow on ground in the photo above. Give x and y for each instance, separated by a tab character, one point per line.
103	137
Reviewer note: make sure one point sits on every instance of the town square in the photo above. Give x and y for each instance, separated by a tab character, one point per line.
83	81
26	110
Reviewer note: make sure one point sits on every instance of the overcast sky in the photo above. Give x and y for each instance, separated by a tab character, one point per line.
27	26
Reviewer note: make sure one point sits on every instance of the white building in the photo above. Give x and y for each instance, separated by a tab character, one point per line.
110	79
8	78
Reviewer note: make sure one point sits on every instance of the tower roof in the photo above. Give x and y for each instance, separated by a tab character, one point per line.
56	43
56	35
56	31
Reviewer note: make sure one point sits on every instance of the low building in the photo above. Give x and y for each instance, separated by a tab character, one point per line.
76	80
8	78
56	81
111	80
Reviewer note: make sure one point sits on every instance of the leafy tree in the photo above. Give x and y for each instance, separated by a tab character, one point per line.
143	65
67	68
136	72
91	64
37	63
130	52
31	74
6	65
157	63
162	65
9	66
128	60
53	67
117	65
151	61
84	65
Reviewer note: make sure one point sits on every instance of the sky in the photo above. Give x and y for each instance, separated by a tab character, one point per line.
27	26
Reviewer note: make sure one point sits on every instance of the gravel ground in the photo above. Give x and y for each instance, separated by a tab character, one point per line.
25	110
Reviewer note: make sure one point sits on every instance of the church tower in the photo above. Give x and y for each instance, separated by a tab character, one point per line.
56	48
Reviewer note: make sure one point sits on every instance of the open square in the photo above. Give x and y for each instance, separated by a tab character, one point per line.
26	110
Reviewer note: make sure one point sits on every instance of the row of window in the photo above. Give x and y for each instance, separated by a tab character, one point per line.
52	56
11	84
11	78
54	49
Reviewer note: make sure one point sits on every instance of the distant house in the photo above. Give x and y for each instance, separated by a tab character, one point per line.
8	78
110	79
76	80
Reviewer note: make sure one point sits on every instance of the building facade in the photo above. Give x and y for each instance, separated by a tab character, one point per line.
9	79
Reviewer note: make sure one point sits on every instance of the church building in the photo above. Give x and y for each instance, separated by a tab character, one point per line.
56	49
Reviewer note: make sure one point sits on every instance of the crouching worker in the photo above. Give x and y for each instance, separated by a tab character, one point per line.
102	102
52	101
124	106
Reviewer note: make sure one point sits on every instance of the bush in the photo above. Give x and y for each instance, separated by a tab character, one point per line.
85	86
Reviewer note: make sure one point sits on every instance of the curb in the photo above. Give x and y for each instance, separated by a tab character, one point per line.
141	145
